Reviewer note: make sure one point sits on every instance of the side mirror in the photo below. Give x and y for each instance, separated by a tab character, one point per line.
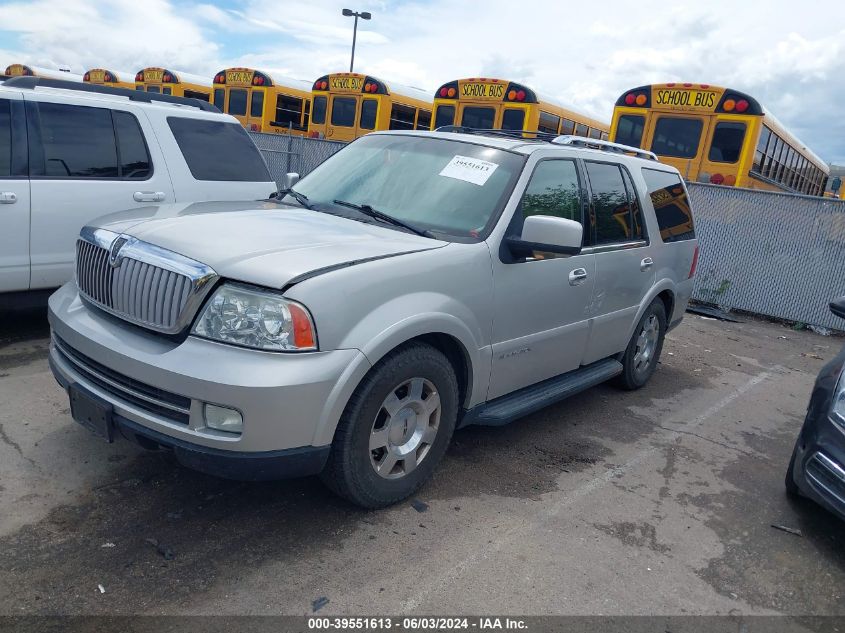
549	234
837	306
289	180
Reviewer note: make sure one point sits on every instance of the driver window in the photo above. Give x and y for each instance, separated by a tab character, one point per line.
553	190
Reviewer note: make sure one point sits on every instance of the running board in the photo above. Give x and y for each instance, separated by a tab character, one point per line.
530	399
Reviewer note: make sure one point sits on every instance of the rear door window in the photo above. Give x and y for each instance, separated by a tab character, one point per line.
513	119
220	98
677	137
481	118
367	120
445	115
343	111
629	129
237	102
319	115
671	205
203	142
727	142
78	141
135	160
611	208
256	105
5	138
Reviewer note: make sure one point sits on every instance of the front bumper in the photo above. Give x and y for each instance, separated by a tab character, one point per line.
157	387
820	464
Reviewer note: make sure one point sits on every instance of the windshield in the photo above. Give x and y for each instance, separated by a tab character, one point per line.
441	185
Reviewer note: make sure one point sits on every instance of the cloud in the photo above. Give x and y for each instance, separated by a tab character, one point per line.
583	54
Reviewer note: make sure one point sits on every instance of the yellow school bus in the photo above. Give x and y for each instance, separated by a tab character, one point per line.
717	135
263	102
25	70
173	82
499	104
105	77
349	105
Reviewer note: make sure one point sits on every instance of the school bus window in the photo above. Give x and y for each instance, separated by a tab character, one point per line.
444	115
581	129
256	105
424	120
605	136
481	118
219	98
629	129
318	116
306	114
594	133
141	88
513	119
367	120
193	94
728	138
402	117
153	89
548	123
676	136
237	102
167	90
343	111
288	111
568	127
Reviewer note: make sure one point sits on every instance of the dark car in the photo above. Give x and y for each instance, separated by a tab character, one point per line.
817	467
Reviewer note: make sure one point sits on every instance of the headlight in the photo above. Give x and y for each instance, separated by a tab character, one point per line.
254	318
838	408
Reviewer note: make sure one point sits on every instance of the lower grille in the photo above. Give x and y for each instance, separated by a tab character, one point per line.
157	401
827	475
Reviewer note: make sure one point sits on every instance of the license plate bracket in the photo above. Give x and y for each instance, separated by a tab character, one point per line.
94	413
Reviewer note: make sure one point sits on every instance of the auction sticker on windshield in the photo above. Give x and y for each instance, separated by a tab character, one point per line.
469	169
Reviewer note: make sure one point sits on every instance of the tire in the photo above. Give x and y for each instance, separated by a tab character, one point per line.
392	413
636	370
792	489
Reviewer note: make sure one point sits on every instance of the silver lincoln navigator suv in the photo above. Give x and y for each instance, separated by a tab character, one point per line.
414	283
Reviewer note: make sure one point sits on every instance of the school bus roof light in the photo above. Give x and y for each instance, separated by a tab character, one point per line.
220	78
86	77
167	78
729	105
741	105
140	77
108	77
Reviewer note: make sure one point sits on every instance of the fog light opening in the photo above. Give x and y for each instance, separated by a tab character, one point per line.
223	419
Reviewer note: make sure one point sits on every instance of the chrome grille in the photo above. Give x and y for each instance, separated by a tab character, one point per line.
140	282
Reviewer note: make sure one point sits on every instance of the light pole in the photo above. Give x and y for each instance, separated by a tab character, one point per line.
364	15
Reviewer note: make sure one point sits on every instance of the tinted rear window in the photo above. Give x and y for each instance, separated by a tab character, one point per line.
215	150
513	119
369	107
256	106
671	205
676	137
219	98
237	102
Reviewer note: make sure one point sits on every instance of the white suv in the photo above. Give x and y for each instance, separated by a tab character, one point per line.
70	152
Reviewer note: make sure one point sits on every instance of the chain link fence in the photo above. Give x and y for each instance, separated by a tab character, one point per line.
286	153
774	254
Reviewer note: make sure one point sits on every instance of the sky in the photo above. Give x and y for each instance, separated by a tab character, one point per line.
789	55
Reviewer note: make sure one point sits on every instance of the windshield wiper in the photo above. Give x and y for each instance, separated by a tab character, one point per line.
384	217
301	198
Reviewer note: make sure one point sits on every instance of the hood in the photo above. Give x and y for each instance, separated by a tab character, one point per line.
262	243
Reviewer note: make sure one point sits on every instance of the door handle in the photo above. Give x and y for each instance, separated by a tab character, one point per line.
8	197
577	276
148	196
646	263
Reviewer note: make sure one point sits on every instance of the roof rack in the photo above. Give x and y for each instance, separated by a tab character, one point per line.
608	146
553	137
30	83
517	134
